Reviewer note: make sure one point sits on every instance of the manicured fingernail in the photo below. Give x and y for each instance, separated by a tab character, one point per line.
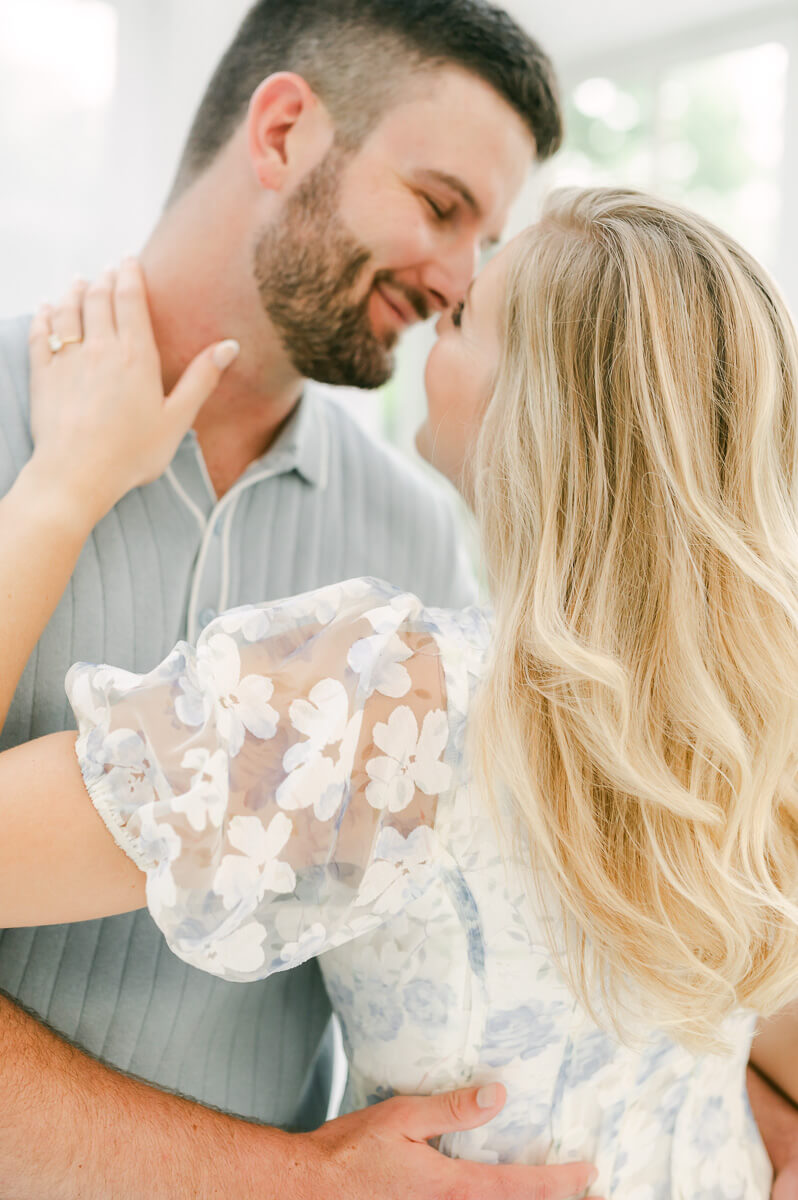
488	1097
225	352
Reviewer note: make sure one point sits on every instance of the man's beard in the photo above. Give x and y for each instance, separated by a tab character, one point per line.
307	266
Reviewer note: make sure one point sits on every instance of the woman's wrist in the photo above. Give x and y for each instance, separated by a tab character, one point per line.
64	496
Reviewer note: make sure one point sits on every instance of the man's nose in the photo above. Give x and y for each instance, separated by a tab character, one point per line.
448	275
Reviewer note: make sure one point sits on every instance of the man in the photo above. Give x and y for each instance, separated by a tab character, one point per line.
346	166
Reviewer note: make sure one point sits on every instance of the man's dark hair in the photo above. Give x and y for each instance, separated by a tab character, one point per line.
357	54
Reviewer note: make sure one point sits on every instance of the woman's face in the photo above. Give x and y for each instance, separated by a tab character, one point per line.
461	370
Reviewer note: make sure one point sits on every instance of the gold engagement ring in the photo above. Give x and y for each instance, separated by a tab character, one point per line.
56	342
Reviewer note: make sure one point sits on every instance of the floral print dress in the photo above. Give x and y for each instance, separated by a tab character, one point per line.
298	785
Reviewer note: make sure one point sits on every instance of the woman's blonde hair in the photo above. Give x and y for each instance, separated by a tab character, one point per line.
636	485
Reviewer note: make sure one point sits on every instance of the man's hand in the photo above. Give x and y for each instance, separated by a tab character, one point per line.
74	1129
383	1153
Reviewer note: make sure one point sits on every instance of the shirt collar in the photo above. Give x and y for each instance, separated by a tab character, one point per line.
301	445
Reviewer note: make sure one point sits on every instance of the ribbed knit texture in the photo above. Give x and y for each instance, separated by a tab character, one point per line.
326	503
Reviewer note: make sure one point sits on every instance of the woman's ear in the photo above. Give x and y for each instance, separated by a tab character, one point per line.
289	130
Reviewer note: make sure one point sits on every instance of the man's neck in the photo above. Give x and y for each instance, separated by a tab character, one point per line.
232	435
201	290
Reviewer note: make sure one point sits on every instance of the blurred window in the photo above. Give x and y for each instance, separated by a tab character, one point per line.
709	134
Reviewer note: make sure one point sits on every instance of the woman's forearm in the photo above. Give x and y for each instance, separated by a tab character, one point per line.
101	426
58	862
42	531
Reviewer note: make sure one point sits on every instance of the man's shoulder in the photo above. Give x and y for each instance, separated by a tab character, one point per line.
14	345
14	387
14	363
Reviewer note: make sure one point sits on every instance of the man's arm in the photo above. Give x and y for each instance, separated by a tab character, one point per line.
73	1129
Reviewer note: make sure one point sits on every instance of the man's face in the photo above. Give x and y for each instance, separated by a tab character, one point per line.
369	243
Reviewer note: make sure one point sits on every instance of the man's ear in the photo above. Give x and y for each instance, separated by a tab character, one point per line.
289	130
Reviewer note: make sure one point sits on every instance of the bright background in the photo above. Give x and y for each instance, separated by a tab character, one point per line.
692	99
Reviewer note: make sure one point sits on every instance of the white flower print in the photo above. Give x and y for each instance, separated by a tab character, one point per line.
245	878
122	758
378	663
395	875
411	759
328	601
321	718
241	704
89	688
161	844
314	778
389	617
253	623
239	952
310	944
160	841
192	706
205	800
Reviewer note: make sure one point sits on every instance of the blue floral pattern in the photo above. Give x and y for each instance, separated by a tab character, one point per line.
298	785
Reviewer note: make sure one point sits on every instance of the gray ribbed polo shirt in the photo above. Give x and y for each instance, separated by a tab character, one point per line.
325	503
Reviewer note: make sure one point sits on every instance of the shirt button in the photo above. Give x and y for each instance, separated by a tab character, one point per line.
206	616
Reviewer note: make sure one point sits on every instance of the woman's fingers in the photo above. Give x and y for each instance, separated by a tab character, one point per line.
199	379
132	310
66	319
98	308
39	337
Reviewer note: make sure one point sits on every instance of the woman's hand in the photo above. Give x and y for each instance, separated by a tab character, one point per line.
100	422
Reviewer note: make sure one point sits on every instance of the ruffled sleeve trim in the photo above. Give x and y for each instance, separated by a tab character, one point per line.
102	797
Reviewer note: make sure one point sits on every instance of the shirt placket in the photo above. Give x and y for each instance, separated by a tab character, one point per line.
210	591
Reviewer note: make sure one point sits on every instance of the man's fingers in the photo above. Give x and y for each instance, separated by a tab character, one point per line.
130	302
423	1117
564	1181
199	379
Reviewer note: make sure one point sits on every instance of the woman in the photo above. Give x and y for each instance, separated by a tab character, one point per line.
556	849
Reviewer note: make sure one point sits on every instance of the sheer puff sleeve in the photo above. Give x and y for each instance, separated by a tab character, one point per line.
278	784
